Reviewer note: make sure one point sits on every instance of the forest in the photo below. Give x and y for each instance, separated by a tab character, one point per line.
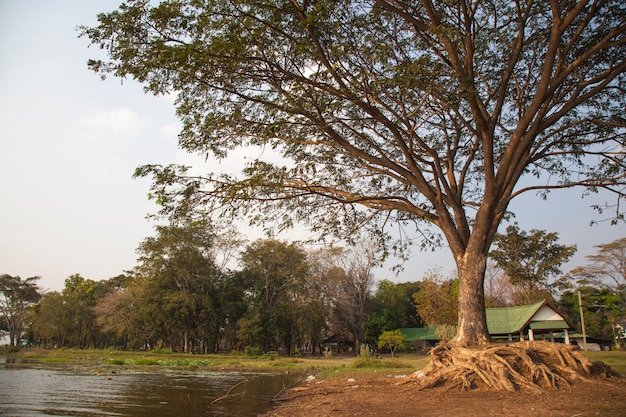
196	290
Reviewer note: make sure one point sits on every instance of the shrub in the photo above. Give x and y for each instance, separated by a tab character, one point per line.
9	349
446	332
391	340
254	351
162	351
272	355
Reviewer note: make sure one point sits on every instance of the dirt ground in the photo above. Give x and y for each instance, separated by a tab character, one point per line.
380	395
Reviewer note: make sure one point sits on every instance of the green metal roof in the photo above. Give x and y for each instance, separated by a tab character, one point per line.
505	320
419	333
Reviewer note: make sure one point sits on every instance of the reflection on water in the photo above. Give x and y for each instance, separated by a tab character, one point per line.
31	391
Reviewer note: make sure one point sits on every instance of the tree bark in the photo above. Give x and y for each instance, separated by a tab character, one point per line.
472	322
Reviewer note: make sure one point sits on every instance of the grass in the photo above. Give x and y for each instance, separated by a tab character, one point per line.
405	363
615	359
165	359
52	359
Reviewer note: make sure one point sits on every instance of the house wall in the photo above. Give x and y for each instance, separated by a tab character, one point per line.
545	313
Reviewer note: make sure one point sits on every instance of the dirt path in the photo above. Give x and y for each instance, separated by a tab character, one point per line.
379	395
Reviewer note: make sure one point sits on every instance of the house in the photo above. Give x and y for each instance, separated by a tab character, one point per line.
539	320
536	321
422	338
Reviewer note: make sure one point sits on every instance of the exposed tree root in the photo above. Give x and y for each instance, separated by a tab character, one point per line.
508	367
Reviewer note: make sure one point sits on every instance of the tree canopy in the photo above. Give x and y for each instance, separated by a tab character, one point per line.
436	302
179	265
17	295
419	112
607	268
531	260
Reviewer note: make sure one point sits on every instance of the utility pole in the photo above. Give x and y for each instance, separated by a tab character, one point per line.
582	320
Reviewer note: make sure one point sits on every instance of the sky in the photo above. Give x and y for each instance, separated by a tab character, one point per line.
70	142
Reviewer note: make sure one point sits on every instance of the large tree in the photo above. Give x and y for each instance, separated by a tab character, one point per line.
181	276
387	310
277	275
602	310
17	296
532	261
426	113
79	297
49	323
437	299
607	268
352	289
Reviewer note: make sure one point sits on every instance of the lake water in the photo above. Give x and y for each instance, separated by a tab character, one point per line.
31	390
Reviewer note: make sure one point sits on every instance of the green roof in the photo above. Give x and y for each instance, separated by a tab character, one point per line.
419	333
505	320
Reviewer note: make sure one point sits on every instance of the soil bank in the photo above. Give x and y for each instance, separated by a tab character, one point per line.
379	394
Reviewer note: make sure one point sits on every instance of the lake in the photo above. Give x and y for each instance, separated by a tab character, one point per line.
31	389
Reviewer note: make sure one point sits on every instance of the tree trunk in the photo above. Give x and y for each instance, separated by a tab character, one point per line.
472	322
356	341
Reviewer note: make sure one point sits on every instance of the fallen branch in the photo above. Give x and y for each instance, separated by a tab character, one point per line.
286	388
245	381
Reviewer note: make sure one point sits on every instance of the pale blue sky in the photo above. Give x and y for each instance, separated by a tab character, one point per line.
70	142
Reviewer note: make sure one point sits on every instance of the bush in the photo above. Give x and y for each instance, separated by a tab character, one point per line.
391	340
364	350
9	349
272	355
254	351
446	332
162	351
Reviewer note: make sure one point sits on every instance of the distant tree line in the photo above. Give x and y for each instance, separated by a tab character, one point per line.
185	295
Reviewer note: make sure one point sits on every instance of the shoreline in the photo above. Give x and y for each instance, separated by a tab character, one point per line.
340	388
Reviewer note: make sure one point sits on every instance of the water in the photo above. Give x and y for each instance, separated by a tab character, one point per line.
31	390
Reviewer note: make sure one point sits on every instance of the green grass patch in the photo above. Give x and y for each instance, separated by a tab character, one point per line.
286	363
184	362
54	359
144	362
374	363
32	356
615	359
